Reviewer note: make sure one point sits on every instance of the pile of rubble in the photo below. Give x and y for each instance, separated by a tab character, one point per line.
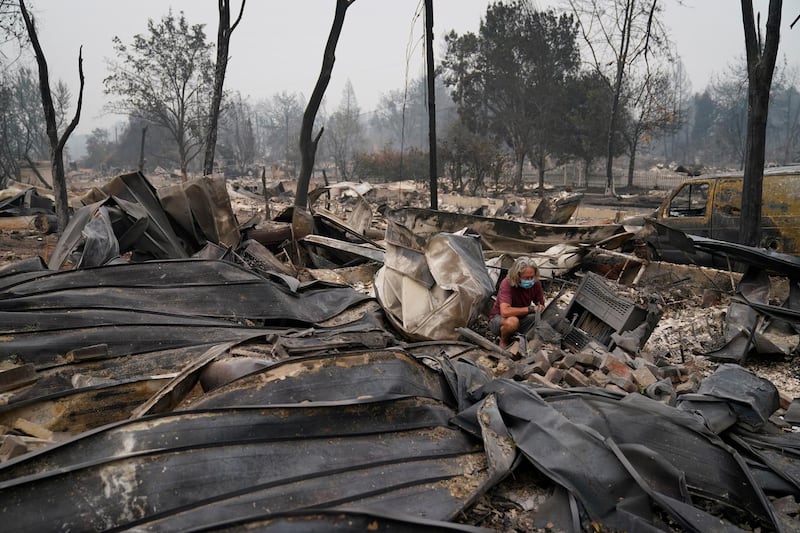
347	378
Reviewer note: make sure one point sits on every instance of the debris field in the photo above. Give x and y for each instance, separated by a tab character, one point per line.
176	360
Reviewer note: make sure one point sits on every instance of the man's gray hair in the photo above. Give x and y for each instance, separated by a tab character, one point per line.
519	267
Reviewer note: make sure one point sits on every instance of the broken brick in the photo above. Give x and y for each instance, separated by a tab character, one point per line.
623	382
553	355
540	368
598	378
622	355
575	378
568	361
539	380
643	377
585	358
541	364
612	365
554	375
613	388
687	387
643	363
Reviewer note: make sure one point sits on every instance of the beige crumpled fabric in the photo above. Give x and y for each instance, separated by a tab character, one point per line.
430	291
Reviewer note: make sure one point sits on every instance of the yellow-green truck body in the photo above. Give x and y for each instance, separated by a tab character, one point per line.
711	207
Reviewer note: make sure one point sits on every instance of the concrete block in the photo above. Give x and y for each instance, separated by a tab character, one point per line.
655	370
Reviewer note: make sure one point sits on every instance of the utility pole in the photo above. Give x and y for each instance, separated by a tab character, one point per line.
431	103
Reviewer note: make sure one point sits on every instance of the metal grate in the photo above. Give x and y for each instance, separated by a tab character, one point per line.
594	296
597	312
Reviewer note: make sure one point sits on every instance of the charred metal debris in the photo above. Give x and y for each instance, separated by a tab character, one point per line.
171	369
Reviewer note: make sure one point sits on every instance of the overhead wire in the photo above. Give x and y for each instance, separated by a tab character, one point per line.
411	45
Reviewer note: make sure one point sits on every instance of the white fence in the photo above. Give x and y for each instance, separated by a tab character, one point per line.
573	176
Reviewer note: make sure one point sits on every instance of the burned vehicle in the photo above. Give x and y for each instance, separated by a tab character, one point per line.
711	207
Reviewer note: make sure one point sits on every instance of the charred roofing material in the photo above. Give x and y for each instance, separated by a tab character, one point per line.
390	433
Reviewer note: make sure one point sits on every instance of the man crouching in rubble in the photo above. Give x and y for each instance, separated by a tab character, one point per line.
519	298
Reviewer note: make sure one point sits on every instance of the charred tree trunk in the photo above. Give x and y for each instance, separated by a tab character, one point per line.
519	163
541	164
141	149
302	222
632	164
618	87
223	44
760	69
56	143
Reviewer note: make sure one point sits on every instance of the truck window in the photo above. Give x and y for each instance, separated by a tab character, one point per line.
690	201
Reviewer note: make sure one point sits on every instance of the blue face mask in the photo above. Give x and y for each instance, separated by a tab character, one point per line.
527	283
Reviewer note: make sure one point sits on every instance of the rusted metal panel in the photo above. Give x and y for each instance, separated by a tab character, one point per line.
498	233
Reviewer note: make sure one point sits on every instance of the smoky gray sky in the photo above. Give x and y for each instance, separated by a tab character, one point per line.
278	45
